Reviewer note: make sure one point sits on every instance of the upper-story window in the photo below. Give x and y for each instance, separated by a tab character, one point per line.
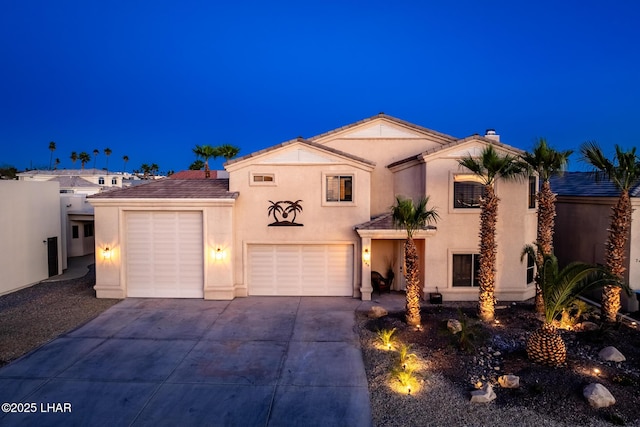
114	181
101	180
339	188
262	179
467	191
532	192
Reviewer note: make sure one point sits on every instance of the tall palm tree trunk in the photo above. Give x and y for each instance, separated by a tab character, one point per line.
546	220
488	220
412	277
615	255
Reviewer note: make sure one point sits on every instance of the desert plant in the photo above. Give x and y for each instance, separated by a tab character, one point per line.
572	315
624	172
406	378
385	337
469	334
546	162
405	356
560	288
412	217
488	168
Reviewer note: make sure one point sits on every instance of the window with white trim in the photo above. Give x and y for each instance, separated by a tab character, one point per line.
101	180
533	188
339	188
530	268
114	181
466	270
467	191
262	179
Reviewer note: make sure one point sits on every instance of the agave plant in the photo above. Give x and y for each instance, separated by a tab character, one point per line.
560	288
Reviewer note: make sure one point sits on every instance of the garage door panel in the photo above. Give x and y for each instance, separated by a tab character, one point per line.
164	254
300	270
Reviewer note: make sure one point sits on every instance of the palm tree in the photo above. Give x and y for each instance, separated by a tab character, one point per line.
125	159
52	148
412	217
107	152
227	151
206	152
489	167
546	162
560	288
196	165
74	158
624	173
84	158
95	156
146	170
56	163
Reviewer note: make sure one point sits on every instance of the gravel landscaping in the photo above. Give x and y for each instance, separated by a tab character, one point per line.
445	374
36	315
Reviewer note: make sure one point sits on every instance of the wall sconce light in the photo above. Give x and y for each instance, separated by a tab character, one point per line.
106	253
366	256
219	254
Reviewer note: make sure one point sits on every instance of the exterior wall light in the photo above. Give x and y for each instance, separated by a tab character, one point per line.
106	253
219	254
366	256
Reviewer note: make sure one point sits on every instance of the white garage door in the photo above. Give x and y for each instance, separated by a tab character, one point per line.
164	254
300	270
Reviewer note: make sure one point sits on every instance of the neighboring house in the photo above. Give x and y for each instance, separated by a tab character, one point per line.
311	217
30	242
583	210
82	181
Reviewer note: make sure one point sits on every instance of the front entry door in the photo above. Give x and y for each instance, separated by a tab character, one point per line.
52	254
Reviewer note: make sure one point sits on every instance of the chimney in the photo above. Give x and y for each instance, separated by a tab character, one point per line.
491	134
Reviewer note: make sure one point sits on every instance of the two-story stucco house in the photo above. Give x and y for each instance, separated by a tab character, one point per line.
311	217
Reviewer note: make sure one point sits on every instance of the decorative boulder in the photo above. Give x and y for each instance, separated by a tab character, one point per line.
376	312
598	396
611	354
454	326
484	395
509	381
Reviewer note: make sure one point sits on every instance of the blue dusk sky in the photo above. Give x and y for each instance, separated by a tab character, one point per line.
151	79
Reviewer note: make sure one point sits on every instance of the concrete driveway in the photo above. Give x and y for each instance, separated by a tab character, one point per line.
257	361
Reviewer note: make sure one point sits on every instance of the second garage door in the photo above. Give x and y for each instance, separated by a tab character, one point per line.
300	270
164	256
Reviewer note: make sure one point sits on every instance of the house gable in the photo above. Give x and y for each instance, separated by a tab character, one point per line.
299	152
383	126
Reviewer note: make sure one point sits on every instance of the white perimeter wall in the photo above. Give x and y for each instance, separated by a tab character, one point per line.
30	214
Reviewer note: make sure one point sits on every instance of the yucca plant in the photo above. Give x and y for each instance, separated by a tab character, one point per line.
405	356
560	288
385	335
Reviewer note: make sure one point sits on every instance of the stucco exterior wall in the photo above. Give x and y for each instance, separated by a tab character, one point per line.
458	233
391	146
218	230
31	215
321	222
581	234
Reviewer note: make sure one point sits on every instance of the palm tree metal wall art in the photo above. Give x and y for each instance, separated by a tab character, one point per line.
284	213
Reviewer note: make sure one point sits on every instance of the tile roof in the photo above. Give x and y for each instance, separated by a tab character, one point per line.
73	181
584	184
453	144
305	142
173	189
191	174
384	222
